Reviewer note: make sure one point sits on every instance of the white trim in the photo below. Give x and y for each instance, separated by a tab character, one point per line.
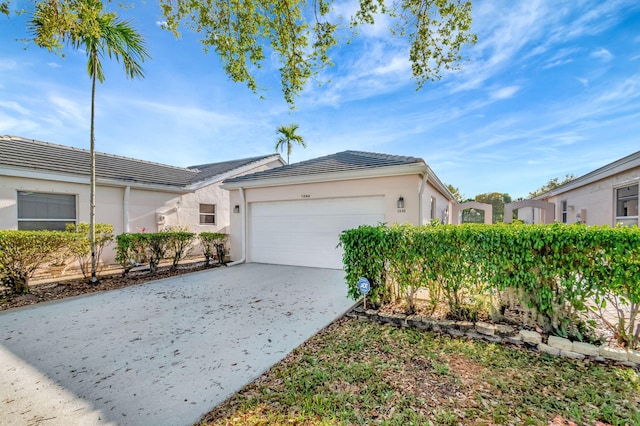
235	172
59	177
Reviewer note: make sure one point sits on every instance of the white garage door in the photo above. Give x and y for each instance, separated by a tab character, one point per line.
306	232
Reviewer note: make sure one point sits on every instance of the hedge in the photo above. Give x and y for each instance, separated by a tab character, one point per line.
213	243
134	249
553	272
22	252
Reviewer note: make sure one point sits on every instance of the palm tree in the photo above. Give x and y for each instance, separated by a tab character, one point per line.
288	137
83	24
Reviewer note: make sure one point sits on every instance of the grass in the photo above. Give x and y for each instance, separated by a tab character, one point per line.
362	373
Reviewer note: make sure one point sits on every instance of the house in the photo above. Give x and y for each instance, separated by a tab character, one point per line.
606	196
293	215
46	186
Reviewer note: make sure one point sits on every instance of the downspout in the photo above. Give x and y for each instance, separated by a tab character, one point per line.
127	193
243	229
423	185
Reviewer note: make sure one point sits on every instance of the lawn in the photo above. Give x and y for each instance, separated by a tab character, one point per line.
363	373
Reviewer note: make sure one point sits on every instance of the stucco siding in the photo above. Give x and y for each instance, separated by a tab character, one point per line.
597	199
391	188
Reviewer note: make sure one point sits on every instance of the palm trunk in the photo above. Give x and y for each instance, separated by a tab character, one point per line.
92	183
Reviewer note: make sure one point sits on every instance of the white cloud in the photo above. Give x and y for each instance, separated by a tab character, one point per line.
54	64
505	92
15	107
584	82
602	54
69	109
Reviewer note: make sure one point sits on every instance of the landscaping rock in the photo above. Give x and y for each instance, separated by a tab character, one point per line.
613	353
560	343
465	325
505	330
571	354
531	337
634	356
548	349
484	328
586	349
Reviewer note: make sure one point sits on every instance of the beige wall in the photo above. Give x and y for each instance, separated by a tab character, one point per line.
596	199
390	187
145	206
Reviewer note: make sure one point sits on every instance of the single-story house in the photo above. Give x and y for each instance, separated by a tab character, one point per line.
46	186
606	196
293	215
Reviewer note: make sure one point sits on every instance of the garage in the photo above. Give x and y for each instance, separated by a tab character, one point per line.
305	232
294	214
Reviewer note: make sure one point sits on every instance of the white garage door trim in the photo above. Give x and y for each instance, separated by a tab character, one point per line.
306	232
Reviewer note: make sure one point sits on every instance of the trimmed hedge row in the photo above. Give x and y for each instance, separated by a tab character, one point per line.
152	248
22	252
557	272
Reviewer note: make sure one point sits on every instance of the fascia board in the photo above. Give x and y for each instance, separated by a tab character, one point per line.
235	172
58	177
431	178
602	173
329	177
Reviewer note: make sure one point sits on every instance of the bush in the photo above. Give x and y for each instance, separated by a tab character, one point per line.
82	249
555	271
179	245
130	251
22	252
213	243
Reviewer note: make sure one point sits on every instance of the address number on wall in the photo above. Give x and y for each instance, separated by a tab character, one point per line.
305	195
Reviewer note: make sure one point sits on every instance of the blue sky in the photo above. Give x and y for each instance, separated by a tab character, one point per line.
551	88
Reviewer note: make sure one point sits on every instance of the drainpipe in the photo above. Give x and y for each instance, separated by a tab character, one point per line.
127	193
243	229
420	206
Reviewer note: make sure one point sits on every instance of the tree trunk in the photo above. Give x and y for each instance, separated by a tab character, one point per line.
92	183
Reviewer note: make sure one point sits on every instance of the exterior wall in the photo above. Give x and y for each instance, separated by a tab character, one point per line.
442	208
597	199
144	211
109	205
390	187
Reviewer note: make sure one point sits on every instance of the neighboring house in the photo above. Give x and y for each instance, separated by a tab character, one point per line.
606	196
46	186
293	215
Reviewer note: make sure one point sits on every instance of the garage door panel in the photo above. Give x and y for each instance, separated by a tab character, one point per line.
306	232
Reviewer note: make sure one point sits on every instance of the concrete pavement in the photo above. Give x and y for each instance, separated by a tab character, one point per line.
161	353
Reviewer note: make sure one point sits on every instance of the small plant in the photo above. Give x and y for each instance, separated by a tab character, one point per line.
179	244
22	252
82	248
213	243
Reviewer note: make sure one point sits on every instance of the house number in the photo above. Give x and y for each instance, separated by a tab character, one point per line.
305	196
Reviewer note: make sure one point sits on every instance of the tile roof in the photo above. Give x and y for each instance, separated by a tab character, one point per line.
46	157
340	162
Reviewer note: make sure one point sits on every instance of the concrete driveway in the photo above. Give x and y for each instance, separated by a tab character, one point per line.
161	353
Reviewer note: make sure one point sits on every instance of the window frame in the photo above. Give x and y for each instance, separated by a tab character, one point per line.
24	219
564	210
625	220
202	214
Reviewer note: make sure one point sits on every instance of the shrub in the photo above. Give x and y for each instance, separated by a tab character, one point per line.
22	252
82	248
130	251
555	271
179	244
213	243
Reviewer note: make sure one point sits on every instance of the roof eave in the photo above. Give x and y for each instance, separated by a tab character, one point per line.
619	166
84	180
405	169
234	172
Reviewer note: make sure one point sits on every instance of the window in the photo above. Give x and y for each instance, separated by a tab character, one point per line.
207	214
627	205
43	211
563	205
433	207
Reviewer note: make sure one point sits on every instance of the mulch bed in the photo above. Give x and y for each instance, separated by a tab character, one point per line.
64	288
